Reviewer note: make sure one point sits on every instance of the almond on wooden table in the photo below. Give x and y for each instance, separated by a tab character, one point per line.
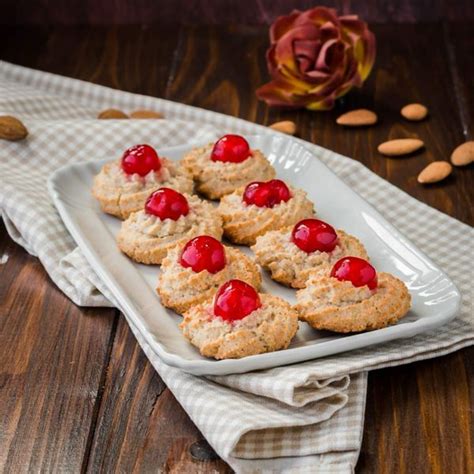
146	114
434	172
414	112
463	154
285	126
112	114
11	128
357	118
400	146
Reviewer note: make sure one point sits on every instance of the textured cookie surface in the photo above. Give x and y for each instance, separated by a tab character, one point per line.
215	179
120	194
269	328
290	265
327	303
146	238
244	223
181	288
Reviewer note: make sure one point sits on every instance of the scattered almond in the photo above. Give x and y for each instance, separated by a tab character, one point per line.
463	154
11	128
112	114
414	112
146	114
434	172
357	118
400	146
286	126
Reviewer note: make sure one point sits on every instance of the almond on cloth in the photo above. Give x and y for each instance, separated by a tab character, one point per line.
357	118
463	154
400	146
285	126
112	114
414	112
146	114
11	128
434	172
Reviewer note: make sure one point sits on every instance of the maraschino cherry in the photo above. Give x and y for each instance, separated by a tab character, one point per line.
312	234
140	159
266	194
235	299
356	270
203	253
231	149
167	203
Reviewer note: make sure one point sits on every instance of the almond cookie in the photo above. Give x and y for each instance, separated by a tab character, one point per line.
352	297
293	253
122	187
169	219
261	207
240	322
191	274
222	167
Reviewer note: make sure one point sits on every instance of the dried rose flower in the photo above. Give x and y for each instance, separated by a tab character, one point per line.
316	57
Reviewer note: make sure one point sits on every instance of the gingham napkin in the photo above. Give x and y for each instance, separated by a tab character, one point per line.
307	417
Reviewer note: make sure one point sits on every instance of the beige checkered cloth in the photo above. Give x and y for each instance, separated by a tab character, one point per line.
301	418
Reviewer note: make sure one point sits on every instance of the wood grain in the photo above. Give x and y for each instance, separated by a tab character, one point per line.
460	53
211	12
420	414
52	364
108	410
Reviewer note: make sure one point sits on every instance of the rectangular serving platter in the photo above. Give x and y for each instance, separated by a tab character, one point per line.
435	298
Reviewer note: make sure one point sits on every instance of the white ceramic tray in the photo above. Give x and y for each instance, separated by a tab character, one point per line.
435	297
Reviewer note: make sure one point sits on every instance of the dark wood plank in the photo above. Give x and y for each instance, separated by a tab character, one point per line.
460	52
133	58
205	12
218	69
419	415
401	56
52	366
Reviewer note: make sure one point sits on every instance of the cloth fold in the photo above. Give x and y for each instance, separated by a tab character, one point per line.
302	418
295	389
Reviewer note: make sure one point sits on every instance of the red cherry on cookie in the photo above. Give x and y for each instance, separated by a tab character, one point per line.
356	270
140	159
231	149
312	234
266	194
167	203
203	253
235	299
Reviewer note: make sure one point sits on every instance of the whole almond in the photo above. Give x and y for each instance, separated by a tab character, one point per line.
463	154
414	112
357	118
286	126
146	114
434	172
112	114
11	128
400	146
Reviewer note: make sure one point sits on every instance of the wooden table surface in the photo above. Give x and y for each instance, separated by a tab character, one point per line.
76	391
